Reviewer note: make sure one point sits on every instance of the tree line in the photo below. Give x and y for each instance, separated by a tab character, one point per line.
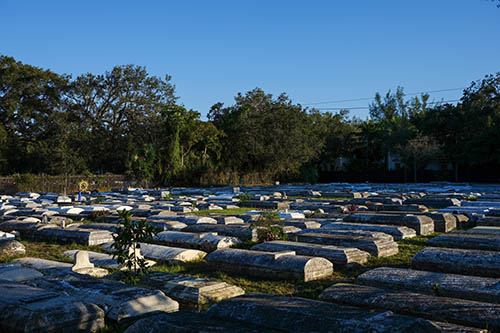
127	121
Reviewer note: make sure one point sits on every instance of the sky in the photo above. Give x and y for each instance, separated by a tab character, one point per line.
314	51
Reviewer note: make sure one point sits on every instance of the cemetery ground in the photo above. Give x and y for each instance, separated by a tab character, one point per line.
385	258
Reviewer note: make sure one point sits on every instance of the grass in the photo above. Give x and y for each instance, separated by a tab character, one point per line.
320	198
229	211
407	249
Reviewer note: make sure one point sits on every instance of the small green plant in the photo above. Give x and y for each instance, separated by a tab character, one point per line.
126	244
167	196
269	227
472	198
99	199
243	197
100	213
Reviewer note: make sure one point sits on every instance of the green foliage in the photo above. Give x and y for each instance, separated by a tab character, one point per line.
126	242
99	200
244	197
269	227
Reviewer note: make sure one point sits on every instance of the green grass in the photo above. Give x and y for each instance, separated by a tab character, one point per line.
230	211
407	249
320	198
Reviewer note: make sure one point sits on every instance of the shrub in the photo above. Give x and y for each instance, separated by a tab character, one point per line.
269	227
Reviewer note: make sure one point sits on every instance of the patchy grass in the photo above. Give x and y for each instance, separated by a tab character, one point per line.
229	211
407	249
320	198
50	251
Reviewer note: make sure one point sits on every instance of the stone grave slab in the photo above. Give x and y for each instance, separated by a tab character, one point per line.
406	208
164	225
338	255
458	261
362	233
433	203
488	221
17	273
240	231
446	309
375	246
398	233
187	322
120	301
84	237
423	225
305	224
441	284
163	253
202	241
295	314
467	240
228	219
25	308
24	228
485	230
276	265
82	265
191	291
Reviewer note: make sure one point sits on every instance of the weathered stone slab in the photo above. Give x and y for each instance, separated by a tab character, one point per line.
163	253
98	259
84	237
304	315
43	264
338	255
189	290
371	200
467	240
285	265
486	230
489	221
440	284
407	208
27	309
398	233
375	246
10	248
458	311
17	273
164	225
228	219
265	204
95	226
82	265
241	231
433	203
24	228
192	219
189	322
302	224
203	241
467	262
119	300
443	222
362	233
423	225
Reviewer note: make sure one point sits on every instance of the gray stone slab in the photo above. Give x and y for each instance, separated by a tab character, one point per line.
467	240
119	300
28	309
225	219
398	233
25	228
17	273
407	208
285	265
164	225
192	322
485	230
362	233
338	255
433	203
421	224
191	291
202	241
98	259
43	264
458	261
489	221
303	315
265	204
440	284
451	310
193	219
375	246
170	254
304	224
84	237
241	231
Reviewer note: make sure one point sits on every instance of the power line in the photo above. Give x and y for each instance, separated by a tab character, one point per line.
370	98
366	107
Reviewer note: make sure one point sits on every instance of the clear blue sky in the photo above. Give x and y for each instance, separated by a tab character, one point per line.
313	50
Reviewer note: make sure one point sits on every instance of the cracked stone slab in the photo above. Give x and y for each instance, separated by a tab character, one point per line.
284	264
397	232
458	311
442	284
202	241
191	290
295	314
423	225
338	255
468	240
119	300
458	261
25	308
375	246
84	237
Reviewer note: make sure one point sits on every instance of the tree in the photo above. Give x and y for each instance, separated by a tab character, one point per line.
419	151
